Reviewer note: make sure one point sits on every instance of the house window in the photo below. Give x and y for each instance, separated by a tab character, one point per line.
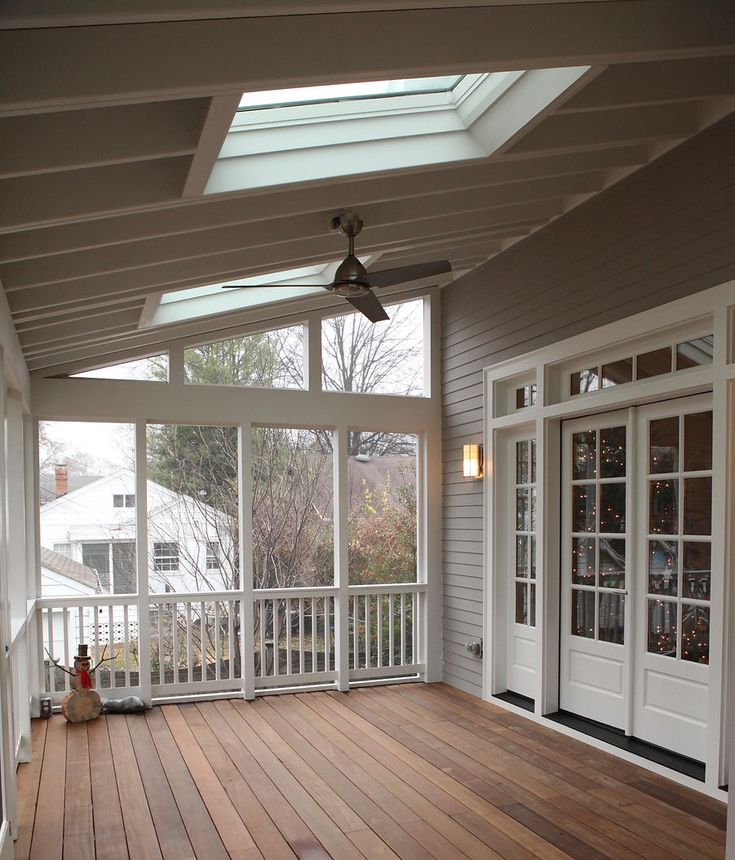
63	549
166	556
123	500
97	557
526	396
213	555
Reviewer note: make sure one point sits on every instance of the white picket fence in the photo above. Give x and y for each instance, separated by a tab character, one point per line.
208	644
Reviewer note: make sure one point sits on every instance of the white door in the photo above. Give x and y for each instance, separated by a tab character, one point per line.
595	565
521	565
674	560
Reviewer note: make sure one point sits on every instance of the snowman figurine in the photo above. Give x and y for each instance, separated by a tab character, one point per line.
83	703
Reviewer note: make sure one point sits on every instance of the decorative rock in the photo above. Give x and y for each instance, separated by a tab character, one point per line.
128	705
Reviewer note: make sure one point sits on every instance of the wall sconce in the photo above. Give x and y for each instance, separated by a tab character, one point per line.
472	461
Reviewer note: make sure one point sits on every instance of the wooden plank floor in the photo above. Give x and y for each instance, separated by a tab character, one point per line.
410	771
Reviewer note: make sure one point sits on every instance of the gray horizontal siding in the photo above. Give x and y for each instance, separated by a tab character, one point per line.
659	234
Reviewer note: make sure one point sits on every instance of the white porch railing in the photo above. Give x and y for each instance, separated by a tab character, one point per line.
196	644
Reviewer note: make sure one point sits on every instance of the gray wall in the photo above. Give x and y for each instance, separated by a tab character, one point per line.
662	233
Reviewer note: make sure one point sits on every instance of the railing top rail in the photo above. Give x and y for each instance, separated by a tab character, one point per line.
388	588
193	596
89	600
314	591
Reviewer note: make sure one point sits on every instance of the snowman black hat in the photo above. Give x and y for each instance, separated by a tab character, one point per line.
82	652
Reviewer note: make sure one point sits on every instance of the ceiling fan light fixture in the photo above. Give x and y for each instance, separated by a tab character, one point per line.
350	289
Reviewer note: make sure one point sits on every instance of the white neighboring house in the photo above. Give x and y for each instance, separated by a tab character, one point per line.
190	544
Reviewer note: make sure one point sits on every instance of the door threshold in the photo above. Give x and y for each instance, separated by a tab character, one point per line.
617	738
516	699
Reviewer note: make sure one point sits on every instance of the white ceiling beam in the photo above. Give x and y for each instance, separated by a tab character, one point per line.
65	267
209	213
80	330
214	131
242	262
656	83
187	59
578	131
52	197
86	138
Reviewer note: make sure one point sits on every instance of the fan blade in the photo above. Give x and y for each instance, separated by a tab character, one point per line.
369	306
280	286
402	274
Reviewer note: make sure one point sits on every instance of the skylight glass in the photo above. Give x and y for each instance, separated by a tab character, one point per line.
347	92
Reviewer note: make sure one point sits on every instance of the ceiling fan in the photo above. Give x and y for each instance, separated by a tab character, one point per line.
354	283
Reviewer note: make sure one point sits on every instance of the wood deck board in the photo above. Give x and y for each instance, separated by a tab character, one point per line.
408	771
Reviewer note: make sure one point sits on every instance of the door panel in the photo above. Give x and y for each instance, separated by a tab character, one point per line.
594	647
675	536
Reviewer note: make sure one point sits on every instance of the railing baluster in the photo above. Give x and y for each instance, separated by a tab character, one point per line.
355	605
301	635
112	676
379	629
262	638
391	632
51	650
159	626
288	636
126	645
96	614
217	642
314	626
403	629
367	632
67	649
414	631
203	638
231	649
326	634
276	650
175	631
189	644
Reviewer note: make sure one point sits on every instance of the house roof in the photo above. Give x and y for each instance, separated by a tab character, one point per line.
69	568
47	485
103	174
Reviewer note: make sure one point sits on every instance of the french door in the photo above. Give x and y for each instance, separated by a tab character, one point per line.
636	572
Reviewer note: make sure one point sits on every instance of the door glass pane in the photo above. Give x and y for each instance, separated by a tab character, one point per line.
697	570
698	441
532	540
522	462
662	567
695	633
612	508
612	562
611	627
583	613
664	445
617	372
662	627
583	561
583	508
584	448
663	507
654	363
533	508
533	461
522	512
532	609
521	603
697	506
521	555
612	452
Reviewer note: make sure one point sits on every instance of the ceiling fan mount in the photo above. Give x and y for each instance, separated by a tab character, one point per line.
352	280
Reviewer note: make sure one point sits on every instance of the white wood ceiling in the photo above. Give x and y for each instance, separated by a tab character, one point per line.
107	131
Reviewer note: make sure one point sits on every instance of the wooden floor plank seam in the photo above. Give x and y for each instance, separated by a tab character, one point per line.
399	772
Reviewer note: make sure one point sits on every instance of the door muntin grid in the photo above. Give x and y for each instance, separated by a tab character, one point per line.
599	534
524	570
679	536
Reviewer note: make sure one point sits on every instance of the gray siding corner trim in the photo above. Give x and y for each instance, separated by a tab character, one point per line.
657	235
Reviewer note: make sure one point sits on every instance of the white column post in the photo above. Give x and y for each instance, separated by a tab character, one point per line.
245	481
141	554
341	572
33	567
313	353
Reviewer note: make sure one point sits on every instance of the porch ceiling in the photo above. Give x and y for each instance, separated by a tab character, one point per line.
110	132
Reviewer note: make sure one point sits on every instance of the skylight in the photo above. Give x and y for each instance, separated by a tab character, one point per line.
347	92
